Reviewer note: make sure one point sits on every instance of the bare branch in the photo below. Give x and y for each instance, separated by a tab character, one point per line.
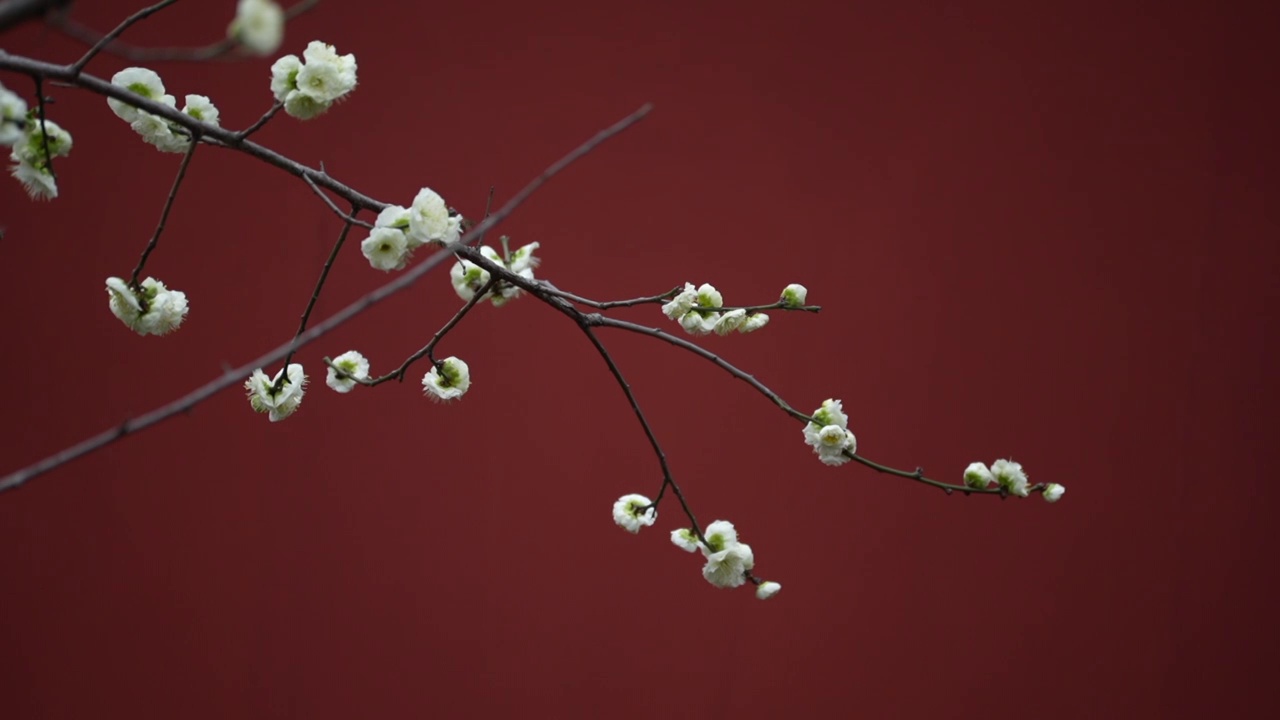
349	219
315	294
164	213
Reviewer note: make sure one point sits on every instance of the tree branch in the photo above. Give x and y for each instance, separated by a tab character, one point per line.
164	214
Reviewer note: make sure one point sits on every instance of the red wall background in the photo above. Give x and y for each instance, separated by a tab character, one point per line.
1038	230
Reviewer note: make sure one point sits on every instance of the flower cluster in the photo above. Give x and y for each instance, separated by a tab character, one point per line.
829	434
632	512
258	26
13	116
398	231
698	310
164	135
279	397
308	87
468	278
1008	476
355	368
33	154
728	561
149	308
448	380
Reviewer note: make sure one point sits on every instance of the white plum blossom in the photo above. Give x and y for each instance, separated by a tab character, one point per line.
32	167
695	323
730	321
13	114
720	534
978	476
632	512
682	303
523	259
1053	492
284	71
310	86
393	216
39	184
754	322
278	403
767	589
728	568
202	109
521	262
468	278
830	436
354	365
794	295
449	380
430	221
258	26
151	309
139	81
685	539
1010	476
386	248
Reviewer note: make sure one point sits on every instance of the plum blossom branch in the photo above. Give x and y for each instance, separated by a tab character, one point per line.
556	299
236	375
212	133
164	213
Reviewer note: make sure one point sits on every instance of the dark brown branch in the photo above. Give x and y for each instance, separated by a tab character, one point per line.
164	213
667	479
270	113
231	377
349	219
315	294
44	129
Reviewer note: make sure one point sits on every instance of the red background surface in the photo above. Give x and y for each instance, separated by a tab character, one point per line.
1046	232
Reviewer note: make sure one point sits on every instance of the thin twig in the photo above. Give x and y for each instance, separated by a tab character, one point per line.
399	373
667	479
193	398
349	219
44	130
78	65
164	213
270	113
315	294
611	303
